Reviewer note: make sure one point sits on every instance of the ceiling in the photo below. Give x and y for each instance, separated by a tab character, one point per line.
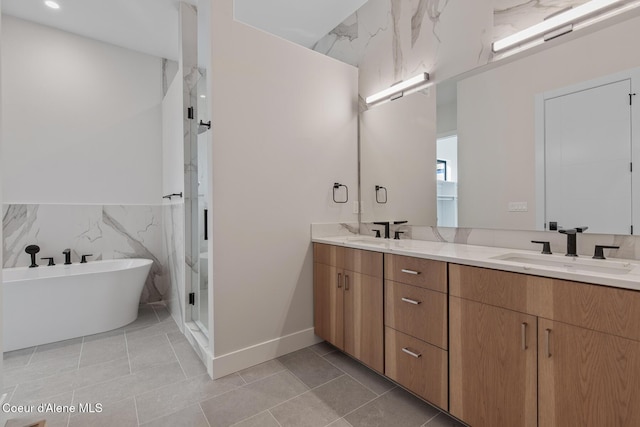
151	26
301	21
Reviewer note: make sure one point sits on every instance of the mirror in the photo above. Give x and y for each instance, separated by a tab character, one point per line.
501	184
397	179
492	113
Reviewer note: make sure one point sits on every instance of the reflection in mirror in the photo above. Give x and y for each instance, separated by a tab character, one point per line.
447	155
585	133
398	152
496	128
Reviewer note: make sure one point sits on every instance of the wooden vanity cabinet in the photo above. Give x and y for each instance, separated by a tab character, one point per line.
587	346
348	301
416	326
587	378
493	354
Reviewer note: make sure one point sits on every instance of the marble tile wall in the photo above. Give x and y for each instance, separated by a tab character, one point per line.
173	253
392	40
106	231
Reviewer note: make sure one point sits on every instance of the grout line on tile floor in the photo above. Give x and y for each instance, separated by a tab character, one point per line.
135	405
365	404
31	356
298	395
204	415
73	397
273	416
183	380
126	347
80	356
431	419
265	377
176	355
353	378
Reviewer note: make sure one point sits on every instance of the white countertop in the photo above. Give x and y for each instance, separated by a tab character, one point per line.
627	273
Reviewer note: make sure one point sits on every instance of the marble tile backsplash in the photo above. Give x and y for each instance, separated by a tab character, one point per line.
105	231
508	239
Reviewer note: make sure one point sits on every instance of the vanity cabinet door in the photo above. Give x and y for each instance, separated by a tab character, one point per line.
348	301
328	304
492	354
363	319
587	378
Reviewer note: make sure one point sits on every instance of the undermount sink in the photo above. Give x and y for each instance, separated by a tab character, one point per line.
572	264
367	241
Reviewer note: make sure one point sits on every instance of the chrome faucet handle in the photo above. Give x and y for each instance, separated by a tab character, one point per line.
599	251
546	246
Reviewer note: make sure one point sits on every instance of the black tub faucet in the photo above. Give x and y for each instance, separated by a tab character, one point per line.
572	239
32	250
67	256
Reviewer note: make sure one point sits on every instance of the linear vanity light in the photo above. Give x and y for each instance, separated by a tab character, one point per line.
412	83
52	4
571	16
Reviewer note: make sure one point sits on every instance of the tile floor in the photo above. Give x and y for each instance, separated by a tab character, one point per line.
146	374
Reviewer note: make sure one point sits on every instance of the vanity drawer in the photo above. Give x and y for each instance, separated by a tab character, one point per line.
364	262
416	271
419	312
357	260
597	307
418	366
328	255
493	287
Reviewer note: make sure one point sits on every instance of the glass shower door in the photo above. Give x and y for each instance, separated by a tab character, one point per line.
200	206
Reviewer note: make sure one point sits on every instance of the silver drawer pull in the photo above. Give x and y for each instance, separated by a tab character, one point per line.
410	271
411	301
411	353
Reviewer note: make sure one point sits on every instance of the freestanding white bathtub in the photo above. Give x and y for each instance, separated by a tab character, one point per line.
48	304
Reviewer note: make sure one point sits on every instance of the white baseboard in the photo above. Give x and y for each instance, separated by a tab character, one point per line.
241	359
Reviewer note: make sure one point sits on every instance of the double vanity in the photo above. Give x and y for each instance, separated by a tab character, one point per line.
496	337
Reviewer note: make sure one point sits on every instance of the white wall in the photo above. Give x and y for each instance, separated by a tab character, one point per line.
496	121
284	130
173	138
398	151
82	119
447	149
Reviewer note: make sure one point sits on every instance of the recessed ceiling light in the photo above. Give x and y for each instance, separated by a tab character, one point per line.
203	96
52	4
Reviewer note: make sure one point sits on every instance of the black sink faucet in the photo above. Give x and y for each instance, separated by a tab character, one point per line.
67	256
572	239
386	228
